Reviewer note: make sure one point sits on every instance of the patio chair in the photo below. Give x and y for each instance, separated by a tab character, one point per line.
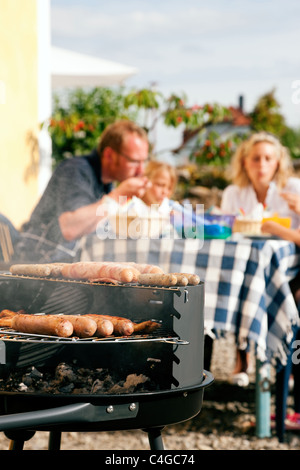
282	389
6	243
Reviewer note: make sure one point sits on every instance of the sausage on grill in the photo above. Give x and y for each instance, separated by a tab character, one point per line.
39	270
6	317
83	327
193	279
146	326
122	326
96	270
147	268
154	279
42	324
104	326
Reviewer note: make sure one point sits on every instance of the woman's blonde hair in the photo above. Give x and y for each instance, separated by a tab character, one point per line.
154	167
238	174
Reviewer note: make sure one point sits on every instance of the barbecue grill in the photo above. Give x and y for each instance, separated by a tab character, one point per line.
170	359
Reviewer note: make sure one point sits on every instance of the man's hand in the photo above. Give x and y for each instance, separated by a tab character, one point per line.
75	224
135	186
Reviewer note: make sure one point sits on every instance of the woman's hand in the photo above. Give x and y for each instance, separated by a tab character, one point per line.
269	226
293	201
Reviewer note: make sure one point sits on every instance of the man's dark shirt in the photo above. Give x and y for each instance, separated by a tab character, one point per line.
75	183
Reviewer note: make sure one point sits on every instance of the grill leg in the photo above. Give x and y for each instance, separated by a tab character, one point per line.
16	445
18	438
54	440
155	439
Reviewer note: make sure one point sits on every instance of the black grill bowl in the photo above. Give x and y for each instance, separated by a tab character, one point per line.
102	413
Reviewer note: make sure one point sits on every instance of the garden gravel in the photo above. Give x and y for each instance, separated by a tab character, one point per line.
226	420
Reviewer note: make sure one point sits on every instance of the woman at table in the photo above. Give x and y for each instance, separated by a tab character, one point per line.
261	173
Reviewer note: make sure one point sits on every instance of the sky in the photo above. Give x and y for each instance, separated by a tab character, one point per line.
212	51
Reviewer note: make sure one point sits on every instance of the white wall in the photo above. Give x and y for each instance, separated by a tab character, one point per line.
44	90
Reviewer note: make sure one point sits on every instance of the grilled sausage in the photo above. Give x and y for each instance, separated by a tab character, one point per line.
93	270
146	326
6	317
56	269
104	327
39	270
83	327
193	279
147	268
42	324
158	279
182	279
122	326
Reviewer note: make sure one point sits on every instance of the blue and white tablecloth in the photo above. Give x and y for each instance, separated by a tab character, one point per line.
246	282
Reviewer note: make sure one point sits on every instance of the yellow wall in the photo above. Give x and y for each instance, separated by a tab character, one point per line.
19	157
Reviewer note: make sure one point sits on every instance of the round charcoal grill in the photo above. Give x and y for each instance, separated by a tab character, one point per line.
172	359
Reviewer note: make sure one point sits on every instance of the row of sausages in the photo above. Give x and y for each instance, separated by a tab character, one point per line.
82	326
113	272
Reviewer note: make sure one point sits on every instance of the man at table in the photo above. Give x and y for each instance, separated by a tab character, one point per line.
71	204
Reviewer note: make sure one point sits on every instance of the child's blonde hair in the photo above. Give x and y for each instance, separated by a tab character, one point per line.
238	173
154	168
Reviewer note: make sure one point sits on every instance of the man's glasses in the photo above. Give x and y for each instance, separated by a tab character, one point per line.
132	161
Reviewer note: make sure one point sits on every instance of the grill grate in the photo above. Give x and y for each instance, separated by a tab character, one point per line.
7	334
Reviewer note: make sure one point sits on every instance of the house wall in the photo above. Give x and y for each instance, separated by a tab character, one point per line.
19	158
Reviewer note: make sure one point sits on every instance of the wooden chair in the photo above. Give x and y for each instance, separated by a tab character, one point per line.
6	243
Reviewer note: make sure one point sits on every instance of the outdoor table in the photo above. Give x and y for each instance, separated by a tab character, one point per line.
247	290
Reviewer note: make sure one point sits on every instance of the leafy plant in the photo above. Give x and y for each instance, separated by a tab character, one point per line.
266	116
80	118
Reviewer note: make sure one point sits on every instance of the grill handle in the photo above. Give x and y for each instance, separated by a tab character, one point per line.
69	414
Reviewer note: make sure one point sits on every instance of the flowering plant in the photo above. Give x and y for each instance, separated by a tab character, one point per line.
75	128
177	112
214	149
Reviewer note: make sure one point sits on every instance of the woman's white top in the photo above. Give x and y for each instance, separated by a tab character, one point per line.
235	198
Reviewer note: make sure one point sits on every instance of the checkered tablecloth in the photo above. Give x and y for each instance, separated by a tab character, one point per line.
246	282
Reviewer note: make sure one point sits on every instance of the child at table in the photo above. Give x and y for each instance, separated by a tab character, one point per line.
162	180
261	173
